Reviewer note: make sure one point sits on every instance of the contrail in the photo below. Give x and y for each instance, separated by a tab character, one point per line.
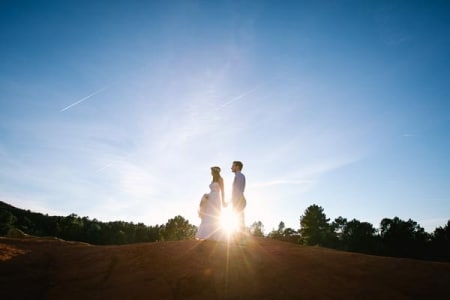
83	99
237	98
280	182
104	167
245	94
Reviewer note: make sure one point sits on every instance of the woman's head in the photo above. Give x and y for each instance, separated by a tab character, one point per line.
215	172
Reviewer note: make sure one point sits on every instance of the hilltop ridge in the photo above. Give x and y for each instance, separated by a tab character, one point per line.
262	269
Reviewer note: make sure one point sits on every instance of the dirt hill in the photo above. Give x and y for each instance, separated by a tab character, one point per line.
45	268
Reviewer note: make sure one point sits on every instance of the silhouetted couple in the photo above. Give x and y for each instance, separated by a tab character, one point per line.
213	204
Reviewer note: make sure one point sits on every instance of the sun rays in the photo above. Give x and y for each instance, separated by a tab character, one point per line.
228	222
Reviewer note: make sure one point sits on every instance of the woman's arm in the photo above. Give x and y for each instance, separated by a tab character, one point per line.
222	190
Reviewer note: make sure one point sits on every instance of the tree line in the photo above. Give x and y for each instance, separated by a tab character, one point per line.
395	237
83	229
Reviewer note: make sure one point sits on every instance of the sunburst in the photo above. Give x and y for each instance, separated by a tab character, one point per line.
228	221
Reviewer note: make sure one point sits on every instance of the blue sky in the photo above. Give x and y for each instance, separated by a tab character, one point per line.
117	109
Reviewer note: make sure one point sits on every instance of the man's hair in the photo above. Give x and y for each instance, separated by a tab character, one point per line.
238	164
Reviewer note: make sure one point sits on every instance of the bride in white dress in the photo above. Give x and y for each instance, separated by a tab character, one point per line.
211	208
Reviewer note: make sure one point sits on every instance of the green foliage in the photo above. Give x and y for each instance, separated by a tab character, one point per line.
7	220
83	229
355	235
314	227
403	238
284	234
178	228
440	243
257	229
395	237
277	234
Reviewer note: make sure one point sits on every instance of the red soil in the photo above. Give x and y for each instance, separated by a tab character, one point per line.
40	268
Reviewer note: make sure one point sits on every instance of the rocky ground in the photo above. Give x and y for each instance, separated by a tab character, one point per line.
48	268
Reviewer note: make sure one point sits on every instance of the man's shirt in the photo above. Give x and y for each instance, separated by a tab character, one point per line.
238	186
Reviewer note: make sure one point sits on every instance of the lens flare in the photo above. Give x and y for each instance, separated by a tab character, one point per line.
228	221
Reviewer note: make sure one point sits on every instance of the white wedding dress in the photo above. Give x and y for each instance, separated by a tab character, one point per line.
210	228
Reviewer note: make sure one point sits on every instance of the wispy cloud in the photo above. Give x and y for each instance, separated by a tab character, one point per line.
83	99
282	182
239	97
104	167
246	93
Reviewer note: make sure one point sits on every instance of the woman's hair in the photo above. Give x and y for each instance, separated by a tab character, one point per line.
216	174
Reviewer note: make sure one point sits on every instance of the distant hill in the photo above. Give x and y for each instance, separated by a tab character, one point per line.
39	268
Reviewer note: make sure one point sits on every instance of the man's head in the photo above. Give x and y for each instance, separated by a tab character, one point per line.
236	166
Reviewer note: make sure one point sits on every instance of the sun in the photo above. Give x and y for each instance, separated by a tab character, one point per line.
228	221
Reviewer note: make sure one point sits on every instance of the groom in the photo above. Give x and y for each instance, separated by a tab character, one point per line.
237	195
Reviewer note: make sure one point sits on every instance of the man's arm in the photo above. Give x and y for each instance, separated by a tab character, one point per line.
239	185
